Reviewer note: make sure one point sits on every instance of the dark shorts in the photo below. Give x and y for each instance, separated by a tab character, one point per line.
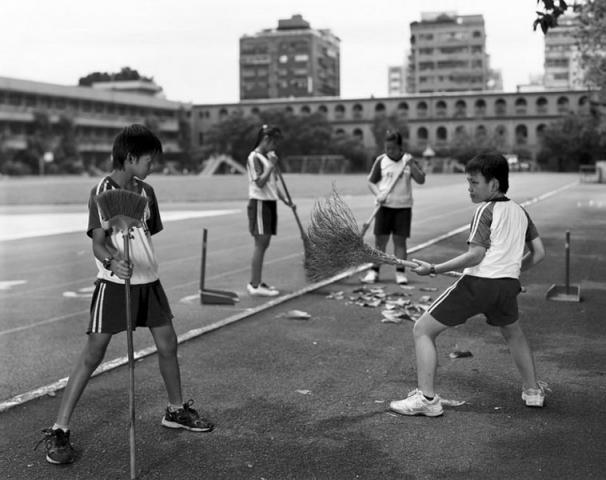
149	308
497	298
393	221
262	217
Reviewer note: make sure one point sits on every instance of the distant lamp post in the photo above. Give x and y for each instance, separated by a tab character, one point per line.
428	154
48	157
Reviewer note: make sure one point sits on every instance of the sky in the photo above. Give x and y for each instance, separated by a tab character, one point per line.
191	47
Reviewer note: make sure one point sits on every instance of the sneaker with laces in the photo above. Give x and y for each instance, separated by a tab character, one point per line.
59	450
535	397
261	290
401	278
372	276
417	404
187	418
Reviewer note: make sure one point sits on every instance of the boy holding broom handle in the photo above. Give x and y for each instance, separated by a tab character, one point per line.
390	182
133	152
500	231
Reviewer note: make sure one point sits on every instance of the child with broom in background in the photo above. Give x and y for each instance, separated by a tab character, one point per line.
133	152
395	214
262	210
490	284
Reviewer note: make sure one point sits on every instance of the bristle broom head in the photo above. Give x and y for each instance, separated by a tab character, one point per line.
334	241
122	209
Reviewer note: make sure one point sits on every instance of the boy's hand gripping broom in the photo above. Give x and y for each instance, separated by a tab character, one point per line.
124	210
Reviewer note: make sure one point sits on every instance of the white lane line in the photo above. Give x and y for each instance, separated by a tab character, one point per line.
29	225
191	334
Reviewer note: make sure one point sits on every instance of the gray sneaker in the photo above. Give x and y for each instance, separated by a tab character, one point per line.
535	397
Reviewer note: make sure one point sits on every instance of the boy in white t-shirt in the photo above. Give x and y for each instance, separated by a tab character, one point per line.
390	182
500	231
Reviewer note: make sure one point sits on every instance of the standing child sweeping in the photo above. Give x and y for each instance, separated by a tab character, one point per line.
263	194
133	152
500	231
395	215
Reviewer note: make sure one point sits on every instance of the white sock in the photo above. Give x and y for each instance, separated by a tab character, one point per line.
56	426
174	408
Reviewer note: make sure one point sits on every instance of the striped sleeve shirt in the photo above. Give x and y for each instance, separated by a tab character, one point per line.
503	228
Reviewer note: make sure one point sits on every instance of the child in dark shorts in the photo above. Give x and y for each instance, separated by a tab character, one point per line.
133	151
499	233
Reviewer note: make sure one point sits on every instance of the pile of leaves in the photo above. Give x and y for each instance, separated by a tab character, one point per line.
396	306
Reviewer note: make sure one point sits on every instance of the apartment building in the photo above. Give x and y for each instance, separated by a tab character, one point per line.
562	56
448	54
292	60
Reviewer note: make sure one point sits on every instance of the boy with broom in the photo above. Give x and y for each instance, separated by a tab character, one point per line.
500	231
133	152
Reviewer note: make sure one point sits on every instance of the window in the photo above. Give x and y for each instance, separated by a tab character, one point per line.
421	109
460	108
442	134
358	134
563	105
521	133
358	111
379	109
441	109
480	107
339	112
403	110
541	105
500	107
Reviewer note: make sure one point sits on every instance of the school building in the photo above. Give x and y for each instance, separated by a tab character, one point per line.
98	115
515	120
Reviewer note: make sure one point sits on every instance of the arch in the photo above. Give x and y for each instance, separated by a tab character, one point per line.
500	106
305	110
339	111
501	131
358	111
403	110
481	131
583	100
441	108
540	130
358	134
288	109
380	109
563	104
520	105
460	108
223	113
460	131
521	134
339	132
254	111
322	109
541	104
441	134
422	109
422	133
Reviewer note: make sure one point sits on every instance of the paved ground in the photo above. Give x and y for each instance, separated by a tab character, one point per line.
307	399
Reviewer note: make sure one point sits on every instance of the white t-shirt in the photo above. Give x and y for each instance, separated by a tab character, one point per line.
256	164
383	173
502	227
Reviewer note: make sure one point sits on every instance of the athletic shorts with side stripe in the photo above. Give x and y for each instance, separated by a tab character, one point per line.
149	307
497	298
393	220
262	217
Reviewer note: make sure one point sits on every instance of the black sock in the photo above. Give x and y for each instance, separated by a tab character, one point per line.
429	398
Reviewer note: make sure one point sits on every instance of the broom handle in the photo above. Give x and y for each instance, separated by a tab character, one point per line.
131	360
289	198
366	225
203	266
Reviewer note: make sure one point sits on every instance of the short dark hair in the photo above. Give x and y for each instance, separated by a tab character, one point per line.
491	165
270	131
137	140
393	136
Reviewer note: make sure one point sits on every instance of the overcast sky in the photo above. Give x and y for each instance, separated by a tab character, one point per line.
190	47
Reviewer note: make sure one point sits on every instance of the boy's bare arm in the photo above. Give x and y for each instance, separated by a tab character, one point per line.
471	257
535	253
416	172
102	250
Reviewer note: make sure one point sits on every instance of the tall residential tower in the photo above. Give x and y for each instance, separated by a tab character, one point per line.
292	60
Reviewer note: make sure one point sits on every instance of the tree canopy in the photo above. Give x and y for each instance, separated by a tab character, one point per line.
126	73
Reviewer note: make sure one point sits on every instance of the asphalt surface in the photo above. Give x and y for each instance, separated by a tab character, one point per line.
307	399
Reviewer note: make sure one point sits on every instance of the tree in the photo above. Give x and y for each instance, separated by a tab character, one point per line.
570	142
592	42
125	74
549	17
67	157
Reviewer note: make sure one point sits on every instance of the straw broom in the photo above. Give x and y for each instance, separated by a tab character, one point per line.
124	210
335	241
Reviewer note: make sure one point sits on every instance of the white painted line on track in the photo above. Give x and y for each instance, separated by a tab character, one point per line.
194	333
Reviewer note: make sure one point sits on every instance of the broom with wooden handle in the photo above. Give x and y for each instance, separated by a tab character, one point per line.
335	242
124	210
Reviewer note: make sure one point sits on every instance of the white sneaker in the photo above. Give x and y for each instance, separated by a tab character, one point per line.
535	397
371	276
401	278
417	404
261	291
